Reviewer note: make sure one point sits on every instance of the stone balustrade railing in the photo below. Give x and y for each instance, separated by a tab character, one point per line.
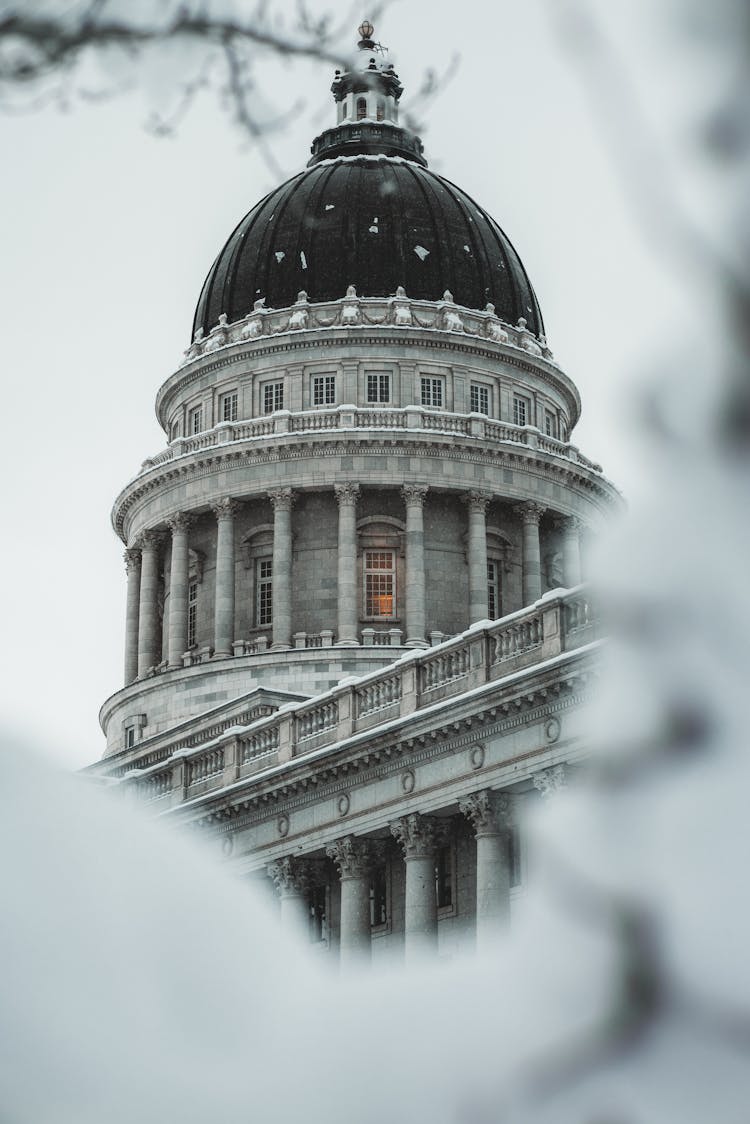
561	621
471	426
353	312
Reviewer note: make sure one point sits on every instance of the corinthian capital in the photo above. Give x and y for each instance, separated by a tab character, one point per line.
550	781
419	835
355	857
414	494
179	522
282	499
149	540
291	875
346	494
477	501
225	508
490	813
531	513
132	558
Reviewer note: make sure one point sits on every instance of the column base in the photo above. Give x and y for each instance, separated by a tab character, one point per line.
347	644
281	648
416	644
222	655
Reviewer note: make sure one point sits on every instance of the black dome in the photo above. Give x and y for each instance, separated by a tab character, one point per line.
373	222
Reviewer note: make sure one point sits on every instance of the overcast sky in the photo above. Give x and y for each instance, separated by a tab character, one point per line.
107	234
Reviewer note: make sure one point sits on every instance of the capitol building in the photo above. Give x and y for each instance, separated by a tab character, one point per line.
358	641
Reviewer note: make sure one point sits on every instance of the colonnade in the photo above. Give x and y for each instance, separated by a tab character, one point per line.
419	837
143	633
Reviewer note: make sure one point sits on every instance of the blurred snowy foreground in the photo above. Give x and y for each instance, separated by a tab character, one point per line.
142	981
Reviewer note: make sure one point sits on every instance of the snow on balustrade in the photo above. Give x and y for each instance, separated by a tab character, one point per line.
316	419
519	636
380	419
578	614
503	431
259	744
205	765
317	720
155	787
378	694
444	668
450	423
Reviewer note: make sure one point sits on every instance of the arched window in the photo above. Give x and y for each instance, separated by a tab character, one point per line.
381	110
361	108
345	112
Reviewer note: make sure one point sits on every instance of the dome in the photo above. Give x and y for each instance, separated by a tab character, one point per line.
374	221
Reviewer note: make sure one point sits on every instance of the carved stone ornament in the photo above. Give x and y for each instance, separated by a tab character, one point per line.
414	494
550	781
477	755
355	857
178	522
418	835
346	494
225	508
282	499
149	540
531	513
290	876
408	781
132	558
490	813
477	501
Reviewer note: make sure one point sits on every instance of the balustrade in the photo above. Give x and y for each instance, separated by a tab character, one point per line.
444	668
155	787
317	720
518	637
204	766
256	745
378	694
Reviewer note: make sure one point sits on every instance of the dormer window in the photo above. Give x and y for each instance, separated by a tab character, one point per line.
361	108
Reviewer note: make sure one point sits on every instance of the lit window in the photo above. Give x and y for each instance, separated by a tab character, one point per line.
493	589
228	406
130	737
550	424
520	411
361	108
324	390
195	420
479	399
444	877
380	583
192	612
273	397
263	591
432	392
378	897
378	387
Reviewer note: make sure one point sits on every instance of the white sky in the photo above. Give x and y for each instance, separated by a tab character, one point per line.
106	237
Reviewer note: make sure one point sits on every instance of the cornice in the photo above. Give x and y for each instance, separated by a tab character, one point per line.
274	448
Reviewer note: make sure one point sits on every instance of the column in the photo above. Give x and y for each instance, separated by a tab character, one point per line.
149	641
282	500
571	551
346	496
531	513
291	877
225	511
177	633
548	782
133	570
414	497
354	858
477	544
490	816
417	836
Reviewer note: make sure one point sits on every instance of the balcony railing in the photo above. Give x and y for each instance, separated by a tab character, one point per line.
561	621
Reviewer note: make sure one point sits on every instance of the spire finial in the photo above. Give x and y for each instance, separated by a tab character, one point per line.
366	32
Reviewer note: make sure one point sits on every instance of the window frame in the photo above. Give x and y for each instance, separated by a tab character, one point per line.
192	614
371	572
360	109
384	380
274	388
229	398
263	609
521	400
495	583
195	420
550	424
326	384
479	389
428	386
447	853
380	879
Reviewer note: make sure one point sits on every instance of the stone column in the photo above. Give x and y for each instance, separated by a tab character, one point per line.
477	546
149	645
550	781
346	495
225	511
133	570
418	836
178	589
414	497
571	552
531	513
354	858
282	500
490	816
291	878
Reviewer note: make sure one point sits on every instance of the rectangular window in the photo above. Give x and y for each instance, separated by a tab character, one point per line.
273	397
318	904
228	406
130	737
263	591
174	432
432	392
493	589
479	399
550	424
380	583
195	420
378	387
444	877
192	612
521	410
514	846
324	390
378	897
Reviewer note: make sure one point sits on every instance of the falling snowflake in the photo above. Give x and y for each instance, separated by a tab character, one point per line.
330	206
468	249
421	252
280	255
303	259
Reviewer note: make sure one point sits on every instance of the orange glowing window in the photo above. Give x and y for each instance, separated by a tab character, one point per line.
380	583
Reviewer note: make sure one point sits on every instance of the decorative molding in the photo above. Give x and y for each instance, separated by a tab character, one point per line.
132	558
355	858
281	498
550	781
292	877
347	494
226	508
478	502
489	812
531	513
417	835
149	540
414	494
179	522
